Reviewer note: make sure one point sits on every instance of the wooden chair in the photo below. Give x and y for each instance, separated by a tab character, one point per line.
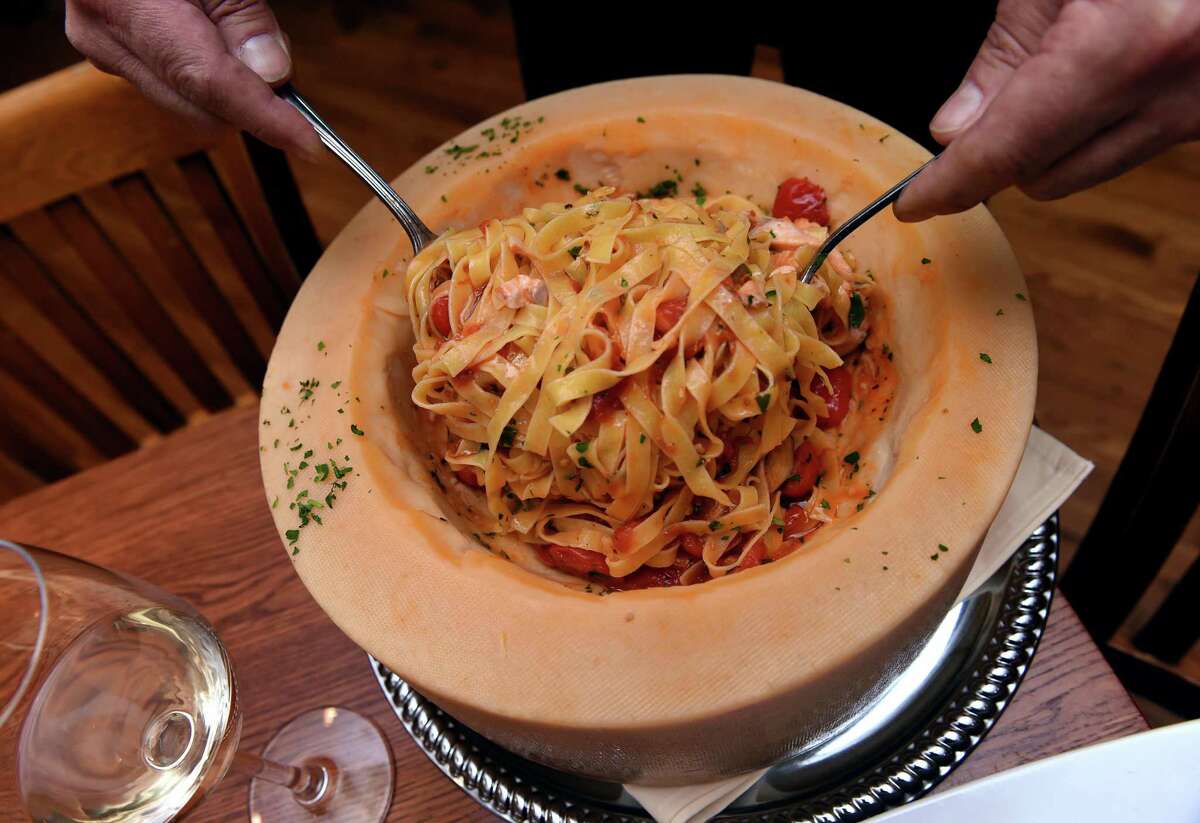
144	270
1153	497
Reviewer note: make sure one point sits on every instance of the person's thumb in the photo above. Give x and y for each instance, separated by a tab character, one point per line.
252	35
1010	41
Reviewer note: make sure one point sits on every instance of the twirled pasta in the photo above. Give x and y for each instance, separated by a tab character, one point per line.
639	387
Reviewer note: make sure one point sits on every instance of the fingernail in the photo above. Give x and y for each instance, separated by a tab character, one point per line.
265	55
957	112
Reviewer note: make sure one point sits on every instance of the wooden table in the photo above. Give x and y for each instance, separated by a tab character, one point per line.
189	514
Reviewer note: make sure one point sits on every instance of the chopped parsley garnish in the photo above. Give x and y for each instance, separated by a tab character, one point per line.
430	169
563	174
581	447
490	134
1021	297
976	426
641	438
858	312
322	472
581	189
507	435
700	194
307	387
574	252
664	188
852	459
764	400
942	547
985	357
308	454
275	502
700	462
583	462
641	119
296	447
624	283
999	312
320	345
356	430
335	384
713	525
887	351
292	535
772	294
456	151
824	504
925	261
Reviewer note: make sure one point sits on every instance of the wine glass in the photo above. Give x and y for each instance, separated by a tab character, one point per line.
118	704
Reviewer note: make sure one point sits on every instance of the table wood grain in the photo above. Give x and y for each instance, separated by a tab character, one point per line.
189	515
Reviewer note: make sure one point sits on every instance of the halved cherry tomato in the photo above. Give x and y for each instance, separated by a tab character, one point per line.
837	402
605	403
795	522
645	578
468	477
623	536
571	560
787	547
805	469
693	544
800	197
754	556
439	313
667	315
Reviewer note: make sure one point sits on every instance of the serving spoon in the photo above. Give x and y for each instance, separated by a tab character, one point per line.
418	233
843	231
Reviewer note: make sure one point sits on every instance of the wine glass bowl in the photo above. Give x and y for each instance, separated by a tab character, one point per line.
118	704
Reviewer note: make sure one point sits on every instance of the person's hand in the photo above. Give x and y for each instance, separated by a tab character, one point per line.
1064	95
210	60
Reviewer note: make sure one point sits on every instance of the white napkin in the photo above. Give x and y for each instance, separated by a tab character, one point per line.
1049	473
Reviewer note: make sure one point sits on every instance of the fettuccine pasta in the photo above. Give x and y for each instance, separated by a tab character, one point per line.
641	390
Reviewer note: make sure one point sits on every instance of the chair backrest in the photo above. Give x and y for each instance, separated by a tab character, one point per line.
1146	510
145	267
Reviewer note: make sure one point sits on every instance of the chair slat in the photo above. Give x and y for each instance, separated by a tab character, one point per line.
16	445
237	173
198	359
206	318
1175	627
52	252
210	241
1147	506
78	128
64	415
15	478
48	301
43	336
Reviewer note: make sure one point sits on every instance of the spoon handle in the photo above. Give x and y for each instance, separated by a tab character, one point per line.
418	233
843	231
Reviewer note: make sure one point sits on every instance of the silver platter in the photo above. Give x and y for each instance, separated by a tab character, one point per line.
898	749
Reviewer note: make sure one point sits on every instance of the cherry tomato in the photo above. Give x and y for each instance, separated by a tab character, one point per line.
623	536
439	313
753	557
646	578
667	315
693	544
837	402
795	522
468	477
605	403
800	197
805	469
787	547
571	560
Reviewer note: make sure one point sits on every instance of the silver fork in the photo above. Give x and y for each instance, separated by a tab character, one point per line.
843	231
418	233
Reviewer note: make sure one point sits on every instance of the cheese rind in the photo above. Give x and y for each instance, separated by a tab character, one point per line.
660	686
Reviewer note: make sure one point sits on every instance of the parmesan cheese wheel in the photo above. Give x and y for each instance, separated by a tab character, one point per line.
657	686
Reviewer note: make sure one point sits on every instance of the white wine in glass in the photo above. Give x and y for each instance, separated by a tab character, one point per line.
128	709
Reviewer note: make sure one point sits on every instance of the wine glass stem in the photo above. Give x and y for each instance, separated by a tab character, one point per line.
312	784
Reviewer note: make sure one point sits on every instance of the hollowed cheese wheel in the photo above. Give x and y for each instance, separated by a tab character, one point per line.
657	686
